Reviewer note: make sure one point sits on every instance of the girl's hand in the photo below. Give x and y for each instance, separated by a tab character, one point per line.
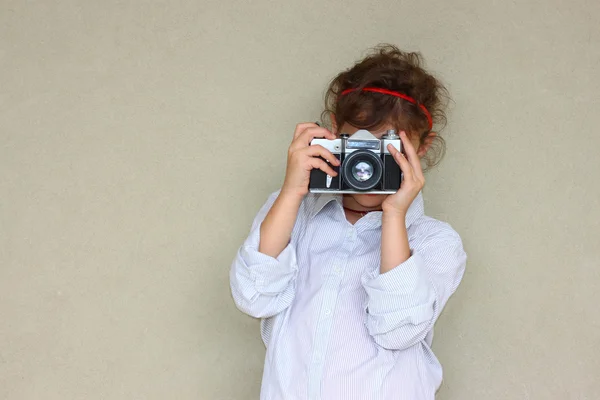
302	158
413	180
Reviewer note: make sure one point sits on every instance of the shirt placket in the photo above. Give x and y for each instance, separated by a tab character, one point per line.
325	320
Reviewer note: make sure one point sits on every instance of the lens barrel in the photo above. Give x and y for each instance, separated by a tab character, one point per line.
362	170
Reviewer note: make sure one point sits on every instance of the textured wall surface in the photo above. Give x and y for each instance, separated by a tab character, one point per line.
138	139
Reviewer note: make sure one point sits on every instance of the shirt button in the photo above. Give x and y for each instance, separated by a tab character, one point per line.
337	269
349	233
327	312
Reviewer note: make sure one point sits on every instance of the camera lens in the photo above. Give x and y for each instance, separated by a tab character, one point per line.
362	171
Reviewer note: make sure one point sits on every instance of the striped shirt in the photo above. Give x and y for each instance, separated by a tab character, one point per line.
334	327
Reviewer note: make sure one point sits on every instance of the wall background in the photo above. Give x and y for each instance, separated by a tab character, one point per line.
138	139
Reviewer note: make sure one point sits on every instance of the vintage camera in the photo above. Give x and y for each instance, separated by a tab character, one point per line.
366	165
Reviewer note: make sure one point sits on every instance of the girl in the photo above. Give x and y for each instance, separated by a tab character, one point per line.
349	287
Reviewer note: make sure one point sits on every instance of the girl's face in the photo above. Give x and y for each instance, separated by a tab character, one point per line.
373	201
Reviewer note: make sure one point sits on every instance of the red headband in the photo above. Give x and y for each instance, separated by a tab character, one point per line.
395	94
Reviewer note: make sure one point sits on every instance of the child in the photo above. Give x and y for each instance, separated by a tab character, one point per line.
349	287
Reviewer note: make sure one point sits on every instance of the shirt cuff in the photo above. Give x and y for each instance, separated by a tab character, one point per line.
271	275
399	296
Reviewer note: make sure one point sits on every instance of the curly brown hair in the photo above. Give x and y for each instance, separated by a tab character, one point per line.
388	67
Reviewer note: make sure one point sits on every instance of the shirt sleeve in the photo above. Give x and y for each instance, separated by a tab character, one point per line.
263	286
404	303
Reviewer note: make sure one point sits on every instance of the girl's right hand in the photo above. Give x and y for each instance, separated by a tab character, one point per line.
302	158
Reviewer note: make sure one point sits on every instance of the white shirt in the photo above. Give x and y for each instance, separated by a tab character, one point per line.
334	327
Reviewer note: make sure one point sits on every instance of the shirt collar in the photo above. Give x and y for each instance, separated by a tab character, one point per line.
317	201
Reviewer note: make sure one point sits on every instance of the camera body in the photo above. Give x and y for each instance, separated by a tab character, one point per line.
366	165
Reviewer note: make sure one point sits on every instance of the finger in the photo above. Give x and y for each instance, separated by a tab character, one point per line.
411	154
302	126
309	134
322	165
318	150
401	160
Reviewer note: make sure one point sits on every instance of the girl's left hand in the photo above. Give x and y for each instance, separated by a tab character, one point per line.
413	180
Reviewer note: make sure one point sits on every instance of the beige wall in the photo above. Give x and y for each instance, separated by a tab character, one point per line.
138	139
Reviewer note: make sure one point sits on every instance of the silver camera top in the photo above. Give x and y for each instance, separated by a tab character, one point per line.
361	140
